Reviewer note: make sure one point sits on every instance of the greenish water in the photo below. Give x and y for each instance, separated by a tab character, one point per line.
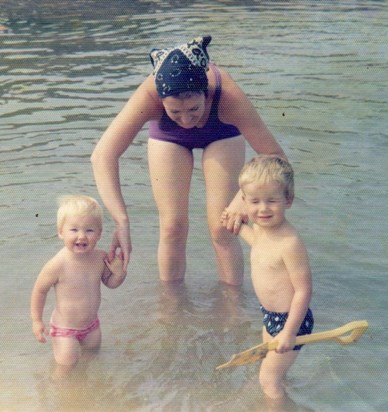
317	73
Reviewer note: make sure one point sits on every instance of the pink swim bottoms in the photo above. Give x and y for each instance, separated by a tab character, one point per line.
79	334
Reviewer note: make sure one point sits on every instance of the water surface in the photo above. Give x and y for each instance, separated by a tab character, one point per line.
317	73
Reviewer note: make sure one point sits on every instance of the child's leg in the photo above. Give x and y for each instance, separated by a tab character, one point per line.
93	340
66	350
273	370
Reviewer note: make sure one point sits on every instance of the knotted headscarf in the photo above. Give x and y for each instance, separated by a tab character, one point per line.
182	68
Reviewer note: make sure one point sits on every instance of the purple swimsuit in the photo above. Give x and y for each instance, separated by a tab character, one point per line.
197	137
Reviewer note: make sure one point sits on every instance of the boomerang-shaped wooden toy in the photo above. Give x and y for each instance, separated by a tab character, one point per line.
259	352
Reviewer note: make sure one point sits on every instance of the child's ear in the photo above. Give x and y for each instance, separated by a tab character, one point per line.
289	201
60	235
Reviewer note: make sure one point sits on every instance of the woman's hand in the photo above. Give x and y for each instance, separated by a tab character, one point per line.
115	275
115	266
234	215
232	221
121	245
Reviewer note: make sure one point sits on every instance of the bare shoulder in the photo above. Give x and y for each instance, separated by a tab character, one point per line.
53	268
143	105
230	89
146	96
292	240
235	107
57	261
148	87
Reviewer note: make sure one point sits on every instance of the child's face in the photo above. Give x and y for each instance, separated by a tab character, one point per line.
80	234
266	203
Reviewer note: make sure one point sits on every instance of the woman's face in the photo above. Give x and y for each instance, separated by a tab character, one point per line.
186	112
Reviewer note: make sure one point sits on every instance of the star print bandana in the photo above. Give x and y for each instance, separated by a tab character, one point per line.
182	68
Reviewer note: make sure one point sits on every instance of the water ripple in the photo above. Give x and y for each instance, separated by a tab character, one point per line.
316	71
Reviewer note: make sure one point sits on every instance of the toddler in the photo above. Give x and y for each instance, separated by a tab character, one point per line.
280	268
75	273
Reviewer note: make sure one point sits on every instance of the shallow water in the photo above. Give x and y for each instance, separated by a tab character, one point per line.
317	72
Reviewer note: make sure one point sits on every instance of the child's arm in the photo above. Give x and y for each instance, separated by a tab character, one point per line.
46	279
247	233
114	274
297	265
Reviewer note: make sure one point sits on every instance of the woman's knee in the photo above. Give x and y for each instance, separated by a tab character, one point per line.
174	230
220	236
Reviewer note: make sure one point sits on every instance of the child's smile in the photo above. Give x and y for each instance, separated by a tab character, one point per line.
80	233
266	203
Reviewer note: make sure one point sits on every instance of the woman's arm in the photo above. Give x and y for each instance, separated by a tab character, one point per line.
140	108
235	108
234	215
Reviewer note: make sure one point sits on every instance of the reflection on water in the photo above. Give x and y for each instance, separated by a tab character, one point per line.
317	73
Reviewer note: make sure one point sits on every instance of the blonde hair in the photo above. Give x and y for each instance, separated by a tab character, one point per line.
78	205
267	169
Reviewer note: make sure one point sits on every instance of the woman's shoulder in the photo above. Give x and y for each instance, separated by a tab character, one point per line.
225	76
144	104
230	90
233	101
148	88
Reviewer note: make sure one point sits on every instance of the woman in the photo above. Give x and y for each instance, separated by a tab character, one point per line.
189	104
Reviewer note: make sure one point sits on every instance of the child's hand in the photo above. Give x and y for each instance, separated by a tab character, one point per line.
40	331
286	342
115	266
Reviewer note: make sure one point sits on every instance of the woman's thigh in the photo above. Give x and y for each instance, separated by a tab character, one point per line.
171	167
222	162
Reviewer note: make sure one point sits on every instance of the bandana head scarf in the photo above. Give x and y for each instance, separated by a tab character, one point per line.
182	68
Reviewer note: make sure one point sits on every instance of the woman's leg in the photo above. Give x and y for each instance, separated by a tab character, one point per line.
222	162
171	167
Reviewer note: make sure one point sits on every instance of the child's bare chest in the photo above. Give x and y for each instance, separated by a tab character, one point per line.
269	274
267	257
78	276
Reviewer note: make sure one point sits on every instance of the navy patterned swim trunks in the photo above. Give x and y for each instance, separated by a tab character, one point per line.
274	323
